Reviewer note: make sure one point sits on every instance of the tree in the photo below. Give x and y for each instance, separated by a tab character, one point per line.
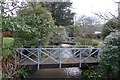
10	68
110	62
88	24
109	26
61	12
112	23
34	25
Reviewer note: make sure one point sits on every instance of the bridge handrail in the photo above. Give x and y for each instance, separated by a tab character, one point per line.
57	46
41	50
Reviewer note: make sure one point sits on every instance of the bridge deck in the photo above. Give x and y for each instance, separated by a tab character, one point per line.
68	61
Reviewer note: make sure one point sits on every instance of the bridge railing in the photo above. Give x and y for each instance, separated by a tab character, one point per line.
58	55
59	46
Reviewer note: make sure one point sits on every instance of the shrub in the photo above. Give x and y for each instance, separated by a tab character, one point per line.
58	36
86	41
110	61
73	30
90	74
10	68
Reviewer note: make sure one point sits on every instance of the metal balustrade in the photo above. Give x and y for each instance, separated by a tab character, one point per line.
43	55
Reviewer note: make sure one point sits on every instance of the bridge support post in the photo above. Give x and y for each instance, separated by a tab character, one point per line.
38	66
80	59
38	58
60	58
60	64
80	65
99	51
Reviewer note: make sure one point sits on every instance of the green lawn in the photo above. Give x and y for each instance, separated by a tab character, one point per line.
6	44
0	75
7	41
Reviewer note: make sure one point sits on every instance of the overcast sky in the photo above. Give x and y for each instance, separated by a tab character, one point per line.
88	7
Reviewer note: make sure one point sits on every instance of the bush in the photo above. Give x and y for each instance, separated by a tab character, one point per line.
90	74
10	69
73	30
58	36
110	60
95	54
86	41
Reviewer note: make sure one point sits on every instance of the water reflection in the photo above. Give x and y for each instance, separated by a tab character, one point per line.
74	72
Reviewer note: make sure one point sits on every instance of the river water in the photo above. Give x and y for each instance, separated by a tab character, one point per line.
73	72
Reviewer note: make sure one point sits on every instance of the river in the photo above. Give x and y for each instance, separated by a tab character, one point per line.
73	72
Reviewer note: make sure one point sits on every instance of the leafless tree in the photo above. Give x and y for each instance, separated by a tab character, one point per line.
110	17
88	25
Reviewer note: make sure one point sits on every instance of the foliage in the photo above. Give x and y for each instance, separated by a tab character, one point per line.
7	42
24	73
10	68
96	52
73	30
32	25
110	60
86	41
85	73
40	20
90	74
61	12
58	36
109	27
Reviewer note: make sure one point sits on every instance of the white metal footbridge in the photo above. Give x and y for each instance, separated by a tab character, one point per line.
58	55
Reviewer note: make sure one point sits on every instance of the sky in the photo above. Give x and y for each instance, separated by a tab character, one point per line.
89	7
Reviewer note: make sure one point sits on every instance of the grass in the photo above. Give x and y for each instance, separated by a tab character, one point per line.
0	76
7	41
